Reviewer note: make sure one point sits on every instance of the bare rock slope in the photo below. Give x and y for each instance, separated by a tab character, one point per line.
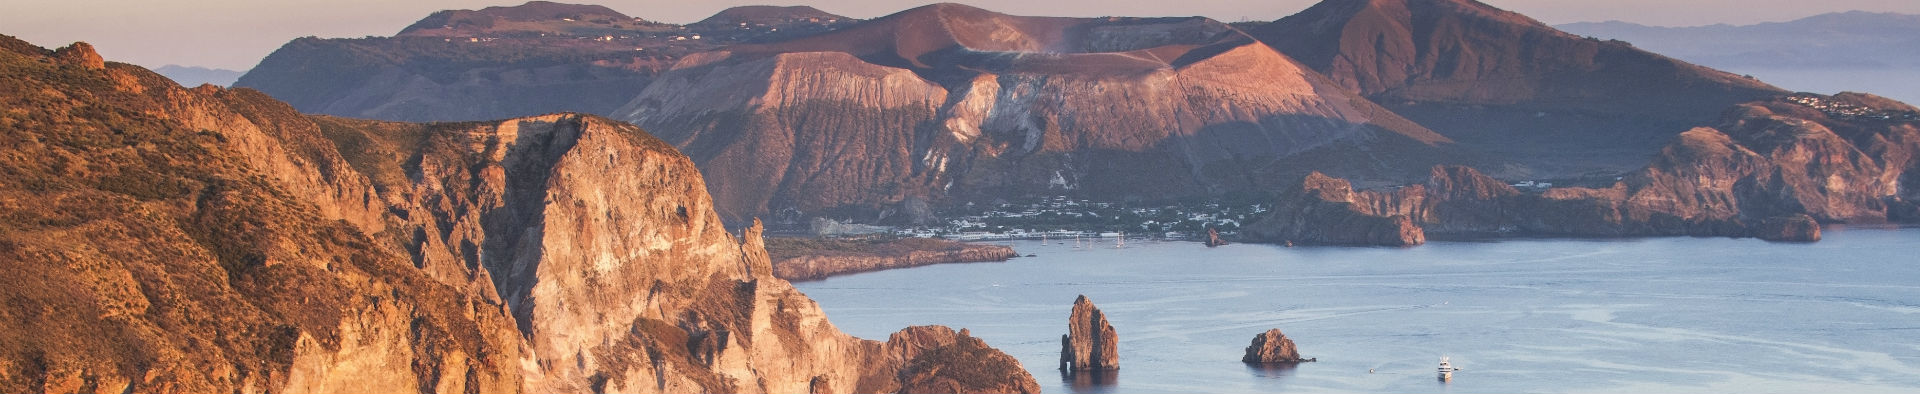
1552	103
950	101
1772	169
507	61
210	240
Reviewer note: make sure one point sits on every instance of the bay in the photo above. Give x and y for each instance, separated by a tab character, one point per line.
1532	315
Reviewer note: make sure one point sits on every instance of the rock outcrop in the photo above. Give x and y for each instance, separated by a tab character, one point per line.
942	361
1326	210
1272	347
158	239
1090	343
209	240
1796	228
1213	238
1779	168
1548	103
814	259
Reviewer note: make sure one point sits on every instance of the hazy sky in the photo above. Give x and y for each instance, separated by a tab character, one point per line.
235	34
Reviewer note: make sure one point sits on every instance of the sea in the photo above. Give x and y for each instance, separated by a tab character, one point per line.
1673	314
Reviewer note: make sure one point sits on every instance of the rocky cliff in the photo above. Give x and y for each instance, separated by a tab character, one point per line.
814	259
158	239
949	101
1090	343
174	240
1271	347
1772	169
1553	103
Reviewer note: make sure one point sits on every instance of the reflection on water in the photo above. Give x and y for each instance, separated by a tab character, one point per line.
1099	381
1622	315
1272	370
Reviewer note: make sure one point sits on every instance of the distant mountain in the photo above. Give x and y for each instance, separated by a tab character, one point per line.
534	16
191	76
767	15
1555	103
535	58
949	102
1838	40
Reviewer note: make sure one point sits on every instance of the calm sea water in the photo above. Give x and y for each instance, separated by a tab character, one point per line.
1634	315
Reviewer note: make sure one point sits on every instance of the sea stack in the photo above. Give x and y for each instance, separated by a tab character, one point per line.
1272	347
1213	238
1090	344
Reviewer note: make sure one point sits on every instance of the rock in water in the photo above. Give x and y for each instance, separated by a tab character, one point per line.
1090	344
1272	347
939	360
1213	238
1795	228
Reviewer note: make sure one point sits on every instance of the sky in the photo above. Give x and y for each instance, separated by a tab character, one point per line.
236	34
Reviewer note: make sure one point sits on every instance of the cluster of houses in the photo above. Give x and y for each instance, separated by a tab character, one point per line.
1062	218
1846	111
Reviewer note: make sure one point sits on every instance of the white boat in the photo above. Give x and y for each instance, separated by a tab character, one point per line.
1446	369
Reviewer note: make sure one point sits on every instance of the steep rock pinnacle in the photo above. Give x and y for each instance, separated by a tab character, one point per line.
1090	343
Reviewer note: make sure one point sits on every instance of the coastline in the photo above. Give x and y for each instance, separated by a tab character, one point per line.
797	260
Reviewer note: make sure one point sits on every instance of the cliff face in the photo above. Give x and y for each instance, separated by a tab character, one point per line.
1778	168
952	101
1555	103
814	259
1271	347
167	240
155	230
1090	343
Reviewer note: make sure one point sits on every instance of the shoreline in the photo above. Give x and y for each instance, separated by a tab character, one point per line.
799	260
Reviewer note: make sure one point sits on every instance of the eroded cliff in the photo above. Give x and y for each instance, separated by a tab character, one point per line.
172	240
1772	169
948	100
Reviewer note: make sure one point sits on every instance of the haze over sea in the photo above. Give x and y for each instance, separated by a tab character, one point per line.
1537	315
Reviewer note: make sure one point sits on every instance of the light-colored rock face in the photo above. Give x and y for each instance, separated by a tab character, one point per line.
255	249
602	242
227	249
1144	108
1090	343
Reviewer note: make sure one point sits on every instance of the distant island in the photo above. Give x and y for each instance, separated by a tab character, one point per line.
191	76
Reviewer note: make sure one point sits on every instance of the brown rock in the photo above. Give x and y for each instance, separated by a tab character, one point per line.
1797	228
80	54
1090	343
1272	347
801	259
1496	80
1325	210
261	249
1213	238
938	360
1771	169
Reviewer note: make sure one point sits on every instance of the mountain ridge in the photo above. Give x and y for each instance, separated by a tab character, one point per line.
212	240
949	100
1510	85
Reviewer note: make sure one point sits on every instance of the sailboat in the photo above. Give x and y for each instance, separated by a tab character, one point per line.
1122	243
